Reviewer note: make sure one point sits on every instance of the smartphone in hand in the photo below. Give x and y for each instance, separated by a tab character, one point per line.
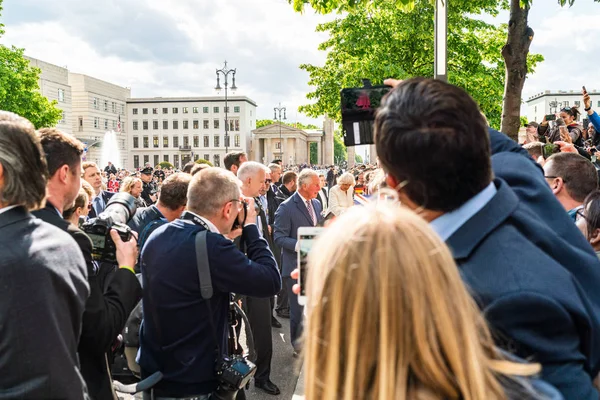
306	239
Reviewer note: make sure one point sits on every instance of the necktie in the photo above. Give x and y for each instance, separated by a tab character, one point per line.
98	205
311	212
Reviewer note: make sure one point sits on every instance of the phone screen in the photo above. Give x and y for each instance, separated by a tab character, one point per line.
306	243
358	107
363	100
550	117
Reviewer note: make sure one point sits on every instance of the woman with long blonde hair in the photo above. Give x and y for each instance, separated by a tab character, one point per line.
388	317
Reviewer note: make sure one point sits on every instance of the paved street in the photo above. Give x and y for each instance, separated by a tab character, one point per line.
284	368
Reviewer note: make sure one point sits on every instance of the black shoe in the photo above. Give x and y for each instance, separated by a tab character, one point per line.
268	387
283	314
275	323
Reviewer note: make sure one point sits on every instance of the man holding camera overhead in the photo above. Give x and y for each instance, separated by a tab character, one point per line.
184	335
105	311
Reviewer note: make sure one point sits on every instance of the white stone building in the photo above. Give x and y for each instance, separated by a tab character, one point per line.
54	85
552	101
182	129
97	108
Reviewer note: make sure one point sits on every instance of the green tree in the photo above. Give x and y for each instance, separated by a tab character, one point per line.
166	164
203	161
266	122
340	153
515	51
19	88
358	158
314	154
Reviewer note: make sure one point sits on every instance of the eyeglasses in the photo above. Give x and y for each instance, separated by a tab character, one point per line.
580	215
268	181
555	177
239	201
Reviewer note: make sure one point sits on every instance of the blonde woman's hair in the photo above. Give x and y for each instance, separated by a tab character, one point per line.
128	183
388	316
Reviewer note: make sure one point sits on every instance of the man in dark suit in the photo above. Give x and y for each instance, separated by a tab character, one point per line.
91	173
105	311
177	334
253	176
287	187
537	289
274	198
43	275
299	210
323	196
110	169
331	177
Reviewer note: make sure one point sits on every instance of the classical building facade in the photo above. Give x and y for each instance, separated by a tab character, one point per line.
179	130
551	102
98	107
292	145
54	85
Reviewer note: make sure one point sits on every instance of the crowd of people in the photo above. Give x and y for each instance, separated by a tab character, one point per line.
461	266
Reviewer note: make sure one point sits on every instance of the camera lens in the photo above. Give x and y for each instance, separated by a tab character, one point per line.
120	208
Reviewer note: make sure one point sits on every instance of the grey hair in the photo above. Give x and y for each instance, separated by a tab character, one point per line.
305	176
24	168
249	169
275	167
210	189
346	178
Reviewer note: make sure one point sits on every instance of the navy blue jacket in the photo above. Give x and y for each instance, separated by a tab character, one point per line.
291	215
176	336
533	274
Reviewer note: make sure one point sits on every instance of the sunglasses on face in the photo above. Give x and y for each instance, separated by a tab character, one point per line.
268	180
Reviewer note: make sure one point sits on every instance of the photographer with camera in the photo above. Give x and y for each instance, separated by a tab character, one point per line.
106	311
184	335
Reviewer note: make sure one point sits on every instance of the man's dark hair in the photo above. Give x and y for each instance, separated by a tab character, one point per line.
277	161
578	174
188	167
431	137
60	149
173	192
233	159
197	168
25	172
288	177
591	205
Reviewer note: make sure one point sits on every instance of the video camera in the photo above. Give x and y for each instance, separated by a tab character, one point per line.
358	112
118	212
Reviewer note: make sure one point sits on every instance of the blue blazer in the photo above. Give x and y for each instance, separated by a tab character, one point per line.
291	215
533	274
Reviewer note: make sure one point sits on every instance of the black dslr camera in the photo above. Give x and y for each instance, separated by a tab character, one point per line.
240	224
233	373
118	212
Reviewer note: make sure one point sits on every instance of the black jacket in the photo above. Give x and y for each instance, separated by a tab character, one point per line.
282	196
142	217
43	295
105	311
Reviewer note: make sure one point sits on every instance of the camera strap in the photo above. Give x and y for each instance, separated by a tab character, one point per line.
204	276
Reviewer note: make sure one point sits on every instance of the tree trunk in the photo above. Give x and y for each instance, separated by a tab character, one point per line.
515	53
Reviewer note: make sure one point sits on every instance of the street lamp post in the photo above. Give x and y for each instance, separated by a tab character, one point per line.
225	72
279	110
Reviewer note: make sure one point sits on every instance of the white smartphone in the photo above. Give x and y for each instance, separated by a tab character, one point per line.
306	237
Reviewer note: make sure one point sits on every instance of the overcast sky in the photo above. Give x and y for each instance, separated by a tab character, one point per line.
172	47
